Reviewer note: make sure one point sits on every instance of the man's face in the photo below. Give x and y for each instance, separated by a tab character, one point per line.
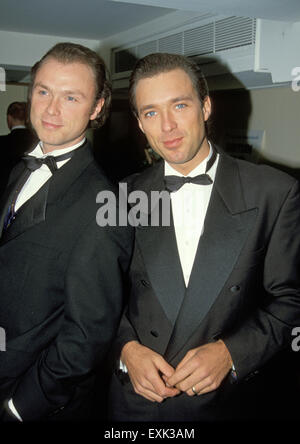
63	103
172	118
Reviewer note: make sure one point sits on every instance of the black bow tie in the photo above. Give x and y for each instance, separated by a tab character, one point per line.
173	183
34	163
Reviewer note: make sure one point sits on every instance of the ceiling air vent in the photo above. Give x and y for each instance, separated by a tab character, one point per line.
239	46
206	39
199	40
171	44
234	32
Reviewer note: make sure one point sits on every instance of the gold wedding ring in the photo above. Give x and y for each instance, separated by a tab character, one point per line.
194	390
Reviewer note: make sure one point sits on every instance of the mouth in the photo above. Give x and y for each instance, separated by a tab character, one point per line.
173	143
50	125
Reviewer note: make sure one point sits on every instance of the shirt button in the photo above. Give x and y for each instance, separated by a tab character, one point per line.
235	288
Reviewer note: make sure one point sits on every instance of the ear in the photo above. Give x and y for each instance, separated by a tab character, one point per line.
97	109
206	108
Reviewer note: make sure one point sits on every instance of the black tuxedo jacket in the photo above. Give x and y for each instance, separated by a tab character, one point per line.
61	290
12	147
244	287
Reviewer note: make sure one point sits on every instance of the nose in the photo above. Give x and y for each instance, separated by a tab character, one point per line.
53	106
168	122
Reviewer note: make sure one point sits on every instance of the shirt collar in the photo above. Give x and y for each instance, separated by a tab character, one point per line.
18	127
38	152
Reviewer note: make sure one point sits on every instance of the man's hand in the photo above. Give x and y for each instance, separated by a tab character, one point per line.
146	369
203	368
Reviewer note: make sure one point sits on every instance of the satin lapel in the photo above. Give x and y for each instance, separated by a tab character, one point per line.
51	193
159	250
30	214
7	196
227	225
65	176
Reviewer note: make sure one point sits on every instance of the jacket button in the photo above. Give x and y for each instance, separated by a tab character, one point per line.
145	283
235	288
154	333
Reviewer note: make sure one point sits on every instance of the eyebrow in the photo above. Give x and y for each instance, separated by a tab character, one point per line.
40	85
76	92
174	100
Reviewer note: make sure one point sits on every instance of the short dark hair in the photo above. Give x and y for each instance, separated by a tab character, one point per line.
157	63
17	110
66	52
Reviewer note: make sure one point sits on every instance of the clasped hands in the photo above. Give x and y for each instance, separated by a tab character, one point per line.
201	370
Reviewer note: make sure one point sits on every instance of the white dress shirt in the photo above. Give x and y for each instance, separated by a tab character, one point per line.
189	207
40	176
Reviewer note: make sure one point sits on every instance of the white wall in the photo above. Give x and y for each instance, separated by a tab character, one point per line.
274	110
277	111
20	49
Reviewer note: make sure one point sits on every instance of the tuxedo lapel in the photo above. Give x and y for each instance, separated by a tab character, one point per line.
34	210
226	228
30	214
7	196
158	247
68	173
159	250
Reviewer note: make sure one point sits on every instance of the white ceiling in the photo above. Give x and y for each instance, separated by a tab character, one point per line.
282	10
86	19
98	19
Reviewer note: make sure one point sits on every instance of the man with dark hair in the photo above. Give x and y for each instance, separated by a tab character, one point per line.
214	295
19	141
16	114
61	275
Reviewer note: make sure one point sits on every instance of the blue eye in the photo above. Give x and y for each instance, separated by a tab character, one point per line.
42	92
150	114
180	106
71	99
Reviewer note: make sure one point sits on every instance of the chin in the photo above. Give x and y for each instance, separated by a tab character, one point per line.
178	160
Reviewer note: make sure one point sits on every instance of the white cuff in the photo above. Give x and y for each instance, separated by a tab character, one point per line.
123	367
13	410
